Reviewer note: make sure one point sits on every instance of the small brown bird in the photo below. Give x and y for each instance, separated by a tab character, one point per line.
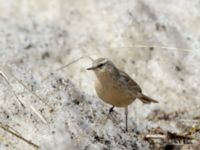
115	87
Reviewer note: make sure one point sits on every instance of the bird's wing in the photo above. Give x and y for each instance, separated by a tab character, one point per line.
131	84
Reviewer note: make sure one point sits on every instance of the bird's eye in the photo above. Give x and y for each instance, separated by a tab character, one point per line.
100	65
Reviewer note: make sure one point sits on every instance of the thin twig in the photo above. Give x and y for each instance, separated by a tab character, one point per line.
8	143
6	79
171	137
162	47
155	136
156	46
32	92
74	61
18	136
39	115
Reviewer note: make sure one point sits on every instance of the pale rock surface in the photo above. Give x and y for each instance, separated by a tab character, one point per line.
39	36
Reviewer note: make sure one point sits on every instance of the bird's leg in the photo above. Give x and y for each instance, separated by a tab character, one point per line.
126	118
110	111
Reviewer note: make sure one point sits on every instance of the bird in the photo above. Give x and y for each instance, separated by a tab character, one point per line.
115	87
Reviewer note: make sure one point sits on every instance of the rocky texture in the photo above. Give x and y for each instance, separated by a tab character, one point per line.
38	37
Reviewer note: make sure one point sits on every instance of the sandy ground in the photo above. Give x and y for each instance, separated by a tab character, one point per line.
37	37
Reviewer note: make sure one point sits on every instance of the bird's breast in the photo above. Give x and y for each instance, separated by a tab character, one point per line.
113	94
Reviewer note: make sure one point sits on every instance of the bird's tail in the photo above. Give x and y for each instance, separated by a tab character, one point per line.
147	100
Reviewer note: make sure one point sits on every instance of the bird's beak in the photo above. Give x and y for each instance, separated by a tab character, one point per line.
91	68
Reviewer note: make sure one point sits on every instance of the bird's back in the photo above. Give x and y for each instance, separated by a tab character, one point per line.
129	83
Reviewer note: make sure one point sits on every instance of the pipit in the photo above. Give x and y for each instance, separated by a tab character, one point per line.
115	87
